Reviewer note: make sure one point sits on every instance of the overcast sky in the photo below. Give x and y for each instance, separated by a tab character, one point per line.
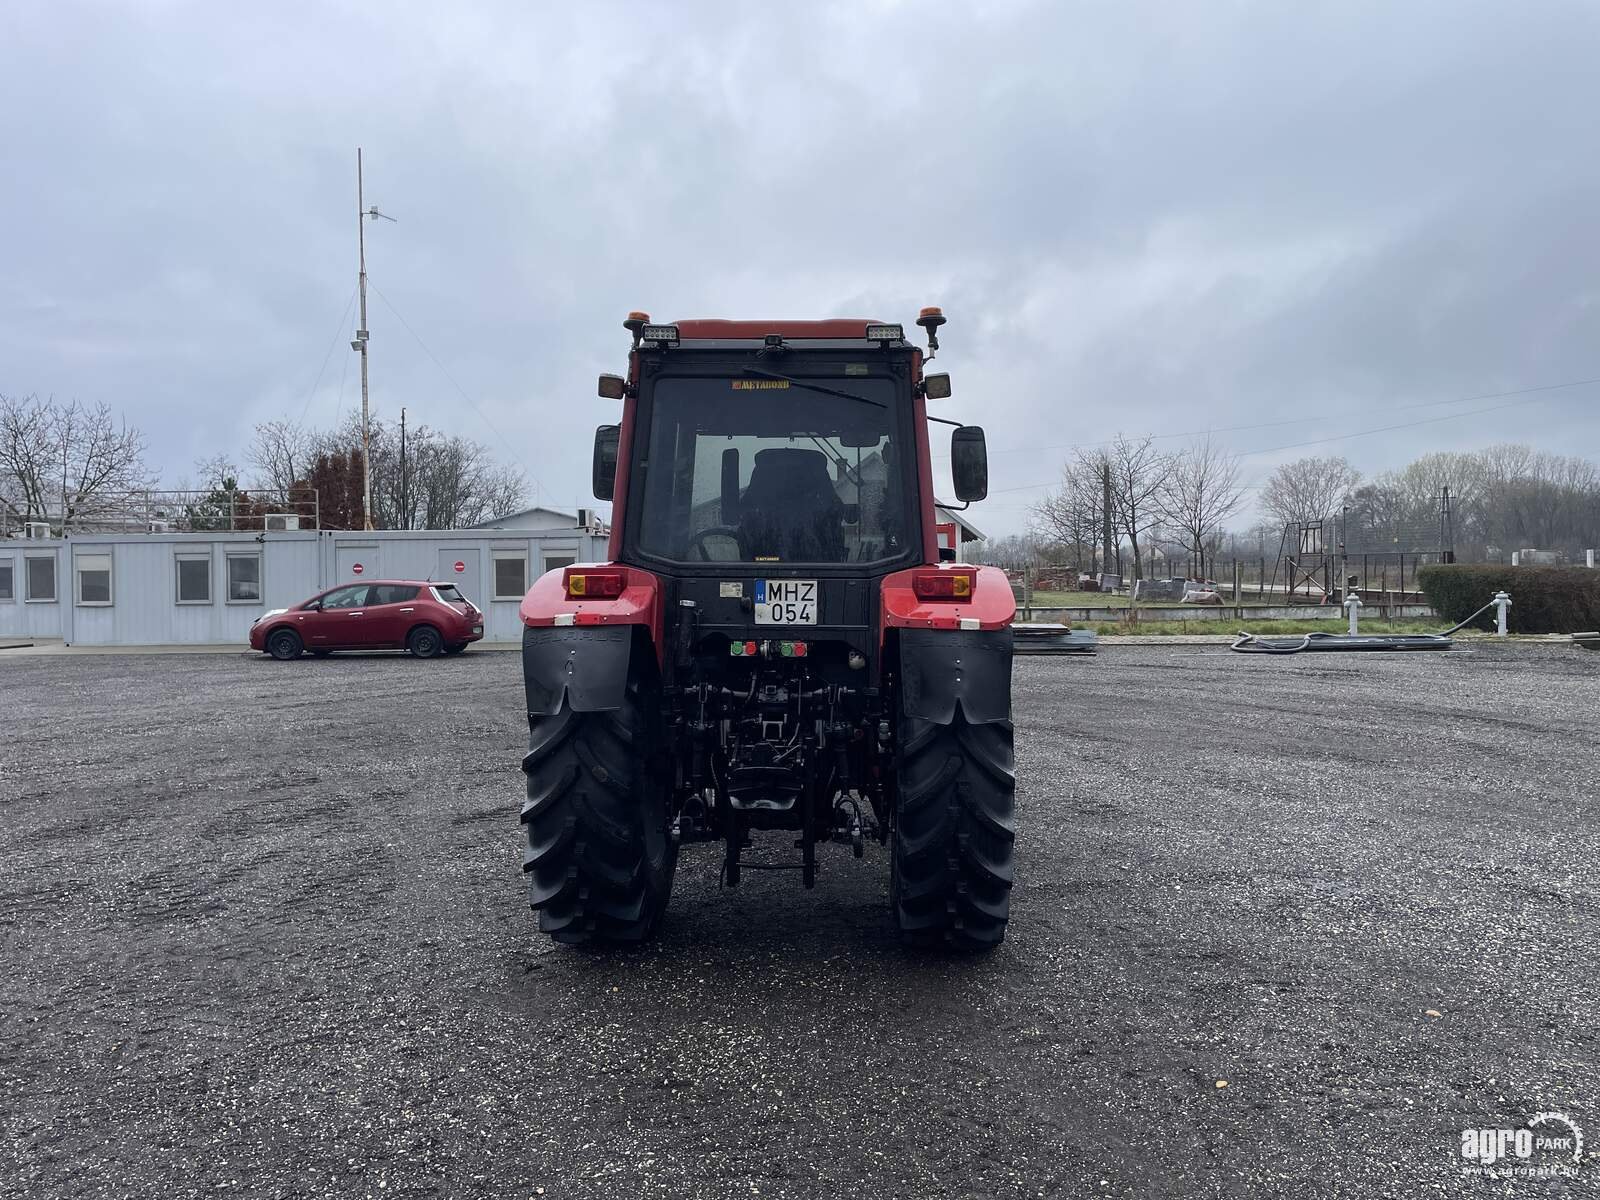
1148	219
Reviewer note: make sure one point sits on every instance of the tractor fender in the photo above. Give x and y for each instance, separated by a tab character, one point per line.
578	651
991	605
586	668
942	669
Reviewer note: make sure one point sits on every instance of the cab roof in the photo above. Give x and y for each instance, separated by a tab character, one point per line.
717	329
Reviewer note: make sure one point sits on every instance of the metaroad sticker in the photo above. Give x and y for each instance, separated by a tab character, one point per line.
855	368
732	591
758	385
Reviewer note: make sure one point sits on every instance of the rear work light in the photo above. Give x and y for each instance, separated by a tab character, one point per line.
613	387
666	335
594	585
885	333
943	585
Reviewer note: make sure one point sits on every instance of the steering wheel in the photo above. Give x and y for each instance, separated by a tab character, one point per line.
698	541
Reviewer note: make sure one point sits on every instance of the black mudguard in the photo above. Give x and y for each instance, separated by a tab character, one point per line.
585	666
941	668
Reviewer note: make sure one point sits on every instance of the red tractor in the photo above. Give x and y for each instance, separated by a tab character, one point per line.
777	642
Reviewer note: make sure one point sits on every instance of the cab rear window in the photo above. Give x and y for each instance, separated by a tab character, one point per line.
449	593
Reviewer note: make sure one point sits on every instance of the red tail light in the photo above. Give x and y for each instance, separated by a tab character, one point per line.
585	583
943	585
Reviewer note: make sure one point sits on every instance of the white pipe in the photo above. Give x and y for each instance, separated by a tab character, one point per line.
1502	601
1352	604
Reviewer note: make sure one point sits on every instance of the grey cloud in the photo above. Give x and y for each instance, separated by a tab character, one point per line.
1139	217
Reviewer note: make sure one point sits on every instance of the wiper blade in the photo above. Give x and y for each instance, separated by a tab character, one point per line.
815	387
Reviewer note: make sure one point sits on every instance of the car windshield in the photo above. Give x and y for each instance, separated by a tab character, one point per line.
756	469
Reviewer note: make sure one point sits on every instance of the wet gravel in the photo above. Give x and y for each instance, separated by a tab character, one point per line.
263	933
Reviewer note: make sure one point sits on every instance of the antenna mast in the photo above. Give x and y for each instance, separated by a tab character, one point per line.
359	344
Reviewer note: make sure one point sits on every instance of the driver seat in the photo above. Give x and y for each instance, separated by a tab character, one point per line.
790	510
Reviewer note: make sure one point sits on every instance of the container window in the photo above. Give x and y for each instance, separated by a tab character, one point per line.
41	579
8	579
94	579
244	578
194	579
510	574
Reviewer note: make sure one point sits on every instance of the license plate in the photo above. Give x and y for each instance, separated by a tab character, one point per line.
786	601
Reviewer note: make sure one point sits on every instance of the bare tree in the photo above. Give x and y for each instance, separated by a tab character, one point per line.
26	456
1012	550
1069	516
281	453
1138	472
1309	489
66	463
1533	499
457	483
443	482
1199	490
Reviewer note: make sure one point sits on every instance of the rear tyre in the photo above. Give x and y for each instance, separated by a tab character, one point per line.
284	645
954	837
599	857
455	648
424	641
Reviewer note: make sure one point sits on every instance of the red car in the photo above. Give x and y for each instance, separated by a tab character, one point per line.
387	614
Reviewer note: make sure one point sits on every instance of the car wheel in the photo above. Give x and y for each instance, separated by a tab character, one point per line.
284	645
424	641
455	647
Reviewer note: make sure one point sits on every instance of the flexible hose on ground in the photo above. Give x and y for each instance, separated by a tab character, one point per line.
1249	643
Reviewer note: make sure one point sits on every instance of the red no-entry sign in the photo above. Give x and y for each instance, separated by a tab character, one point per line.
460	566
357	569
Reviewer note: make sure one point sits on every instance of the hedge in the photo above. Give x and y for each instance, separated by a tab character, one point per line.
1543	599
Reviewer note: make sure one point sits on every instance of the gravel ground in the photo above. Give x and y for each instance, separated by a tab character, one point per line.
264	933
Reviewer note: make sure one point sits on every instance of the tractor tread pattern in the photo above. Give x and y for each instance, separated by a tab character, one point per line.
954	832
589	873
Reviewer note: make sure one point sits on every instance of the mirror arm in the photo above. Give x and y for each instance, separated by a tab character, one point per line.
962	507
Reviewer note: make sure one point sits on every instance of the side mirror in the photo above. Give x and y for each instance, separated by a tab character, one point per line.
730	486
969	463
606	440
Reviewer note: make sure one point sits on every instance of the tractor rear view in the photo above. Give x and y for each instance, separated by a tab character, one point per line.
777	647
